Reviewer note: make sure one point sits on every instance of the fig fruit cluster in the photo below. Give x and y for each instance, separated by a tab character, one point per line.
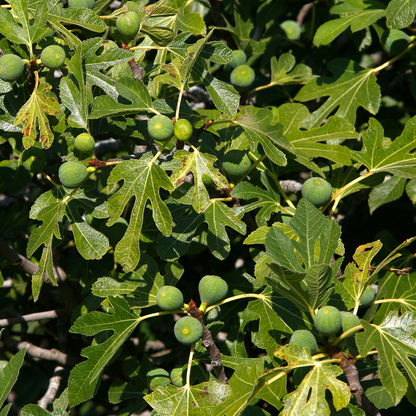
330	322
188	329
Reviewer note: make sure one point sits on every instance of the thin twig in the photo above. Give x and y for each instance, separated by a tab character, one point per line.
33	317
54	383
43	353
19	261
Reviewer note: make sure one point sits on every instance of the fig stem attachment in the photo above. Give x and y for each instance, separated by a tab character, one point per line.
346	334
188	370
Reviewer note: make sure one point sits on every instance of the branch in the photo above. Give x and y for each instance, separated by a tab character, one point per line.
43	353
351	373
19	261
209	344
54	383
33	317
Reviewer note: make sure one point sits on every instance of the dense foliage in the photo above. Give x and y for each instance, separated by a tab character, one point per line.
150	265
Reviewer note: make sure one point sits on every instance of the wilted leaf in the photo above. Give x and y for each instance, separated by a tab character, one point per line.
309	397
33	115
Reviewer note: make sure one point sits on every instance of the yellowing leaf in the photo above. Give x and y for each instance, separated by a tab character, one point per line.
33	114
309	397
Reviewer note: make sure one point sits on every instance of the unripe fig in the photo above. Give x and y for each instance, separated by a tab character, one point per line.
72	174
212	289
169	298
239	58
349	320
236	164
160	127
84	143
367	296
11	67
291	29
34	159
328	321
183	130
317	190
158	377
188	330
53	56
128	24
116	232
176	377
304	338
88	4
242	76
396	41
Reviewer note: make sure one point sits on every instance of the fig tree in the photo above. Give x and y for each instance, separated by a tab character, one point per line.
34	159
236	164
317	190
128	24
11	67
183	130
291	29
72	174
158	377
53	56
349	320
239	58
176	377
84	143
212	289
169	298
88	4
242	76
188	330
328	321
160	127
304	338
368	296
